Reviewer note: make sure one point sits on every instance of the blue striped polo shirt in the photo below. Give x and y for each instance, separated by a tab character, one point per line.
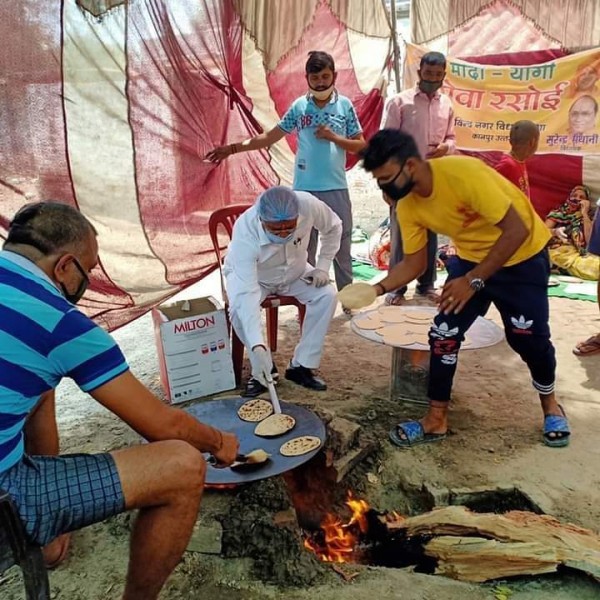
43	338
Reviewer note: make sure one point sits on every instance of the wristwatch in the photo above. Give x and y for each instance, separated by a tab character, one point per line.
476	283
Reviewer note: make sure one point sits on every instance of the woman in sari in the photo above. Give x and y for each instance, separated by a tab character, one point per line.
571	227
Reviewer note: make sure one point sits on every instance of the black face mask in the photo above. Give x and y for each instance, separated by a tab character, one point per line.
395	192
430	87
75	297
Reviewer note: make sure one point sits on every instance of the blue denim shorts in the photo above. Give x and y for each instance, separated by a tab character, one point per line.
58	494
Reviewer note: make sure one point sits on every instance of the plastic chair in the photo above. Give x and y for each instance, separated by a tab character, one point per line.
15	549
224	218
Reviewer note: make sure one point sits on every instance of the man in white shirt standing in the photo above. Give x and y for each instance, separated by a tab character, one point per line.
268	255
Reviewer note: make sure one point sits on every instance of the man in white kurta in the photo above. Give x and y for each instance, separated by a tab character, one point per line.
268	255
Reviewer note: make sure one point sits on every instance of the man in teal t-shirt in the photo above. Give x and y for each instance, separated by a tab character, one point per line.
327	127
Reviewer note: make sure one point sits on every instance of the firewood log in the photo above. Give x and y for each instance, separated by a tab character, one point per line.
482	546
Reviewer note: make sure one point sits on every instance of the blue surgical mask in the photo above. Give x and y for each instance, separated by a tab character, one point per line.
276	239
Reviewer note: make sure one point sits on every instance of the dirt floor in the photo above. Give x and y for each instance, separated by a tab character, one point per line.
496	442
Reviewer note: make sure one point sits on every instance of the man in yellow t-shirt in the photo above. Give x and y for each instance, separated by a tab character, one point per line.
501	259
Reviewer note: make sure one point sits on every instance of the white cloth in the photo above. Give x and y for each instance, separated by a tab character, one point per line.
254	268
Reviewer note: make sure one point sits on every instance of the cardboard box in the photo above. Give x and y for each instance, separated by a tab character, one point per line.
193	349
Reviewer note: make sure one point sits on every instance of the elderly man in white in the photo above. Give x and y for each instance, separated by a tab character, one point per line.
268	255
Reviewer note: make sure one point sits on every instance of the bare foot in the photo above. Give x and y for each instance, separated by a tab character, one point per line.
430	296
392	299
590	347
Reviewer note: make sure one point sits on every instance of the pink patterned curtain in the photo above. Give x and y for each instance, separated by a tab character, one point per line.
111	106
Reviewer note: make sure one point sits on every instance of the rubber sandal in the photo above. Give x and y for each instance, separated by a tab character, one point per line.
415	435
557	424
593	345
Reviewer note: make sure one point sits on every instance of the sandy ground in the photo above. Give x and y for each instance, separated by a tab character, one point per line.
496	424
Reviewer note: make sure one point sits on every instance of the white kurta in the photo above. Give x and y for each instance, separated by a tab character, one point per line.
255	267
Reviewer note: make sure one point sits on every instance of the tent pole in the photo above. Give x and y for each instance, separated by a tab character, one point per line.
396	47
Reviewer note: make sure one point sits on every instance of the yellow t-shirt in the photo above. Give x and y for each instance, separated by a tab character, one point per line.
468	200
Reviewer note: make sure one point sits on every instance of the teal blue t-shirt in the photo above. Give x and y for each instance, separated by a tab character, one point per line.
319	165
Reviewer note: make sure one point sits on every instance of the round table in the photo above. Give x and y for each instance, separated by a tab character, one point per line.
410	363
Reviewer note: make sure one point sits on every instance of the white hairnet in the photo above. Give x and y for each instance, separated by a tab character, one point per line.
278	203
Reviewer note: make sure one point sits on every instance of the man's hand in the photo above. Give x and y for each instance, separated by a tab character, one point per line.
229	449
455	295
317	277
265	364
324	133
216	155
441	150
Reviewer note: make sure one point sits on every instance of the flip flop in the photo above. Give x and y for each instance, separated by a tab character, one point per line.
415	435
590	347
557	424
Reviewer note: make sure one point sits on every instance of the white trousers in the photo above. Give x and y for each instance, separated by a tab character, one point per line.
320	305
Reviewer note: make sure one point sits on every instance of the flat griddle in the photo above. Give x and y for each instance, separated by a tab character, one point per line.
222	413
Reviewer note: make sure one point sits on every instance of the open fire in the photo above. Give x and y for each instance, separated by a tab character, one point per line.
339	542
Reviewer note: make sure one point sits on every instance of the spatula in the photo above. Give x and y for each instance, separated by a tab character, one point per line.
273	395
255	457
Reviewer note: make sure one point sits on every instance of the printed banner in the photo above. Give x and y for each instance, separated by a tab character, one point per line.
561	96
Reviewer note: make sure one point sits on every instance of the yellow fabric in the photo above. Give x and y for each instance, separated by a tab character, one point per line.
468	200
568	258
485	98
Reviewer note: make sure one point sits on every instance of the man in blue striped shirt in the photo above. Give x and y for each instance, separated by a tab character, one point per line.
44	266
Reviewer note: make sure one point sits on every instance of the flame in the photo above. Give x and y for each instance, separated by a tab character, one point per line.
338	540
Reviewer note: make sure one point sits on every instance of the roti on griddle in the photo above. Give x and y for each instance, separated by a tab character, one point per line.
275	425
300	445
255	410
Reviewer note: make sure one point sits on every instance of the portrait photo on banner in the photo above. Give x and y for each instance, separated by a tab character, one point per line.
561	96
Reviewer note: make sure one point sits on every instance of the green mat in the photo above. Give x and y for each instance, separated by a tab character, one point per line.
559	292
364	272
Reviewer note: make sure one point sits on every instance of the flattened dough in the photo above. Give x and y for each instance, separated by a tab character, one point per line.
357	295
404	334
420	315
368	322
